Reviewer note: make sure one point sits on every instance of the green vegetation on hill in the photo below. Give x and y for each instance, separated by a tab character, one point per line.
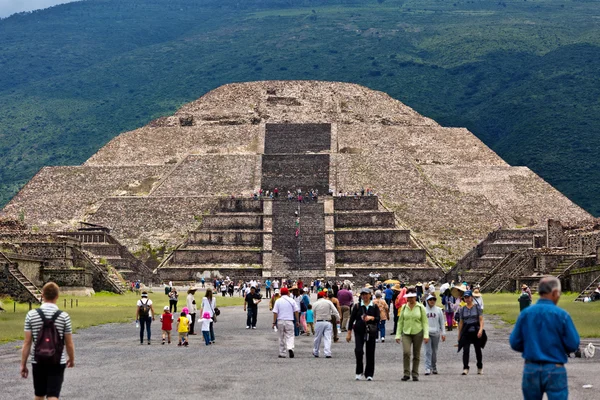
522	75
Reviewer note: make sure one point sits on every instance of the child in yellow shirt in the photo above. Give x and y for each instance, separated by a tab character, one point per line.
183	327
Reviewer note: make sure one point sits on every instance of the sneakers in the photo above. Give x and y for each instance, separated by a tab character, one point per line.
479	371
427	372
291	353
327	356
247	326
382	340
405	378
369	378
465	372
163	342
253	327
416	378
358	377
434	372
148	343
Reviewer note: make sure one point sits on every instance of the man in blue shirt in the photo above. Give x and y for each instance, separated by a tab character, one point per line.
268	288
545	334
389	293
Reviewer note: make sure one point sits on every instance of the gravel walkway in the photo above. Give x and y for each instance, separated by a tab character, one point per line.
111	364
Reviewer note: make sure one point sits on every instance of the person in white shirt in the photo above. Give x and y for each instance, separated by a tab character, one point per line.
206	322
323	311
209	304
191	305
437	329
285	312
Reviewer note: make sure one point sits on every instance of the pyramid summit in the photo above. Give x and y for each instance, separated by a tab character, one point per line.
438	190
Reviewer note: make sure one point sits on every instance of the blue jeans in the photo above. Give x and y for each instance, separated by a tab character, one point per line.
145	322
206	335
545	378
381	329
251	318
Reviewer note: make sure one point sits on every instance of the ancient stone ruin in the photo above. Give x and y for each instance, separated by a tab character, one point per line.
187	182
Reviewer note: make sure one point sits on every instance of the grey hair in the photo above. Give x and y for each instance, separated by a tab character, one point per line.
549	284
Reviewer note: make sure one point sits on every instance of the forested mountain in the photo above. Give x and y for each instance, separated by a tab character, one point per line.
521	75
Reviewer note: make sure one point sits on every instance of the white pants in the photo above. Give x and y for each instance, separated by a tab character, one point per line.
324	330
286	336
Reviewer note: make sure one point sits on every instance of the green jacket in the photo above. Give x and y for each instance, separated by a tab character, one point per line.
412	321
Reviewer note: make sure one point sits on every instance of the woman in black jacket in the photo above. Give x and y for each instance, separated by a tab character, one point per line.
364	320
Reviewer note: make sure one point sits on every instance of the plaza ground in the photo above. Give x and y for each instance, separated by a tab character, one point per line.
111	364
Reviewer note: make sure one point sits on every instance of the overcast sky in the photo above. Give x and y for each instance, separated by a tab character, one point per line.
8	7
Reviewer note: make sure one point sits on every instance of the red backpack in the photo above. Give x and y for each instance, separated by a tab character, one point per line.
49	345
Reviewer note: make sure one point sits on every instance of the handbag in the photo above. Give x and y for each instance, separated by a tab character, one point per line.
216	312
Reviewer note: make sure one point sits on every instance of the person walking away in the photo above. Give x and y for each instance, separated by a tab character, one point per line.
545	334
205	326
223	289
183	327
276	295
437	330
191	305
295	295
285	315
364	319
144	314
166	320
399	301
173	298
388	295
346	299
478	299
203	282
448	301
268	288
470	331
524	301
324	312
334	318
251	307
310	321
304	303
412	331
209	304
167	289
384	314
41	324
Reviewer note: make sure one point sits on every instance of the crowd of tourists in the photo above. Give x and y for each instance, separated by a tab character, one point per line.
544	333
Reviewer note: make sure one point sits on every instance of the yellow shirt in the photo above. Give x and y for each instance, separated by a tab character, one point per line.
183	325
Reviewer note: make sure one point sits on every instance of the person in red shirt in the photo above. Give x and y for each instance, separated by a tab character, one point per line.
300	284
167	325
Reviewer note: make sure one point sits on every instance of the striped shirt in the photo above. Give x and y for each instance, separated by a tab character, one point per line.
34	323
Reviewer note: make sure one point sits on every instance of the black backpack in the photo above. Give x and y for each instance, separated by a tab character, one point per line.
49	345
144	310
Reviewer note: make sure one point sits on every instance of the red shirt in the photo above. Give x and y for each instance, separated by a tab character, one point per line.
167	322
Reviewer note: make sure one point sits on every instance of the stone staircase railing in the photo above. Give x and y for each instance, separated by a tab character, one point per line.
516	272
589	289
25	283
418	242
505	271
487	280
116	285
570	266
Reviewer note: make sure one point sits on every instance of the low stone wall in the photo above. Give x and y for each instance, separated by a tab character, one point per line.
372	237
502	248
349	203
187	256
415	256
195	274
361	275
240	205
375	218
232	222
69	277
232	238
103	249
580	279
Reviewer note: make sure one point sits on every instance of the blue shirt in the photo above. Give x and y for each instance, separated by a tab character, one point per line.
268	284
544	333
310	316
389	294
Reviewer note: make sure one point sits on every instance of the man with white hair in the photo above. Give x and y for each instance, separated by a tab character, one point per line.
545	334
324	311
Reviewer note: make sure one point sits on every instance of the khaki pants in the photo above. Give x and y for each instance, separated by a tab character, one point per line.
345	318
414	341
335	331
286	336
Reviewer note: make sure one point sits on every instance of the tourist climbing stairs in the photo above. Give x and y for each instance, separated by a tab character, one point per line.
22	279
587	292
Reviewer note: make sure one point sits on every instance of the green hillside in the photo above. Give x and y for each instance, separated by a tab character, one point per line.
522	75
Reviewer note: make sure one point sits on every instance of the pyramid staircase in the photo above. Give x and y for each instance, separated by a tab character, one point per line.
508	270
589	289
26	285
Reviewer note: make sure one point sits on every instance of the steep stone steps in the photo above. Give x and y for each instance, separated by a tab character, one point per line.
587	292
33	290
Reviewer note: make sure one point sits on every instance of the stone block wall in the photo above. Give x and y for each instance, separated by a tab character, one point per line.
375	237
10	286
217	256
286	172
232	221
297	138
393	256
240	205
227	238
69	277
365	219
349	203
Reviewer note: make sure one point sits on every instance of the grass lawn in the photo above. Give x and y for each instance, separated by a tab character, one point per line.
586	316
100	309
